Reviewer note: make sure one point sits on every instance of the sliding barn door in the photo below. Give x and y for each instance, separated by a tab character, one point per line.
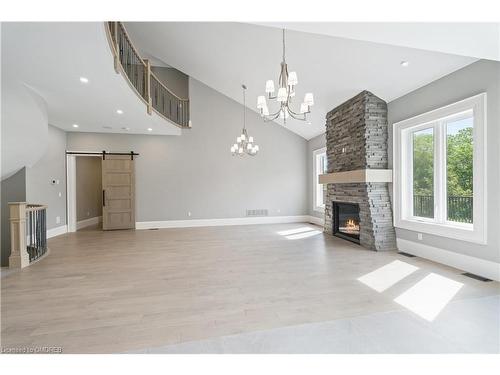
118	200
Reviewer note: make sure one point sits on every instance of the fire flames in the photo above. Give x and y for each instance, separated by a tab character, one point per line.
351	226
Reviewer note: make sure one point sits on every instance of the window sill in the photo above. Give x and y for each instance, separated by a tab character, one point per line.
461	232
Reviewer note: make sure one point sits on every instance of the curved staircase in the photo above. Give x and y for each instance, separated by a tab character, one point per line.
137	71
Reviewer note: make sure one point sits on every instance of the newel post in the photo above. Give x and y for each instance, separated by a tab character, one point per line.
19	257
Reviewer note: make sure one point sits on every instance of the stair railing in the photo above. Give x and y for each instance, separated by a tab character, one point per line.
155	94
28	233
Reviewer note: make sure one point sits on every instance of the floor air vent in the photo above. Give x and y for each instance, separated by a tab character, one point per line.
259	212
477	277
407	255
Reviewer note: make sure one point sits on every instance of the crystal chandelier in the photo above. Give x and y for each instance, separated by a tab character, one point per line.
287	82
244	143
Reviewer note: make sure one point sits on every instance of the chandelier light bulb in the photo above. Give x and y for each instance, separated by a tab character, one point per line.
269	86
309	99
265	111
282	95
256	148
250	139
242	137
261	102
238	140
292	79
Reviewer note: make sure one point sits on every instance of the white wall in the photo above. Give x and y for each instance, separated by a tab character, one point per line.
52	166
482	76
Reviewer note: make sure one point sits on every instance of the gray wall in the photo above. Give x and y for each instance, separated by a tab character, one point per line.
482	76
196	171
52	166
312	145
174	79
88	187
13	190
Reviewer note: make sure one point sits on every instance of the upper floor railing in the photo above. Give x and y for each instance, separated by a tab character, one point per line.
459	208
149	88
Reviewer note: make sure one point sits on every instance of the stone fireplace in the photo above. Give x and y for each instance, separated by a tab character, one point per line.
357	206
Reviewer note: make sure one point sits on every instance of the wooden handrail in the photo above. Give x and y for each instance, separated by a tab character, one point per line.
177	110
120	25
35	207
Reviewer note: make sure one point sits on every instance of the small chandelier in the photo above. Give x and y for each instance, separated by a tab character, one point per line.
244	143
287	82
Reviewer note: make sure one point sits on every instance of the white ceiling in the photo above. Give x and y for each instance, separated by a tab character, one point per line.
223	55
472	39
51	57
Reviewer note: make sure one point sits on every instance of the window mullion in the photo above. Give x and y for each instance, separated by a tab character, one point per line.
440	173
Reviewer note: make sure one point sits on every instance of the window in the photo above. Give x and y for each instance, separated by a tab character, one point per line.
439	171
319	190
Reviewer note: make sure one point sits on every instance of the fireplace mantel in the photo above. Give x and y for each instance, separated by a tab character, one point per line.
358	176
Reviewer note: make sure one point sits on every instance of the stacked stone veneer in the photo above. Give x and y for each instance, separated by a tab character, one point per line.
356	138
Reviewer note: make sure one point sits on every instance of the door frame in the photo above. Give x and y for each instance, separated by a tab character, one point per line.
71	185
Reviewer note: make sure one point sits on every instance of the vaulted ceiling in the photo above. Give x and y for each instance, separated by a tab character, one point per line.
334	61
224	55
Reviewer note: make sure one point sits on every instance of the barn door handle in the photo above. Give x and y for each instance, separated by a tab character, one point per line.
103	197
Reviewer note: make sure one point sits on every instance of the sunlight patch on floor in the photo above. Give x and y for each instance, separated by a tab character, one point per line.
299	236
388	275
294	231
299	233
429	296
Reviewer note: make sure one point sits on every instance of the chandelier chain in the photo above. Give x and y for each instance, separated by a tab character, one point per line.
244	108
283	45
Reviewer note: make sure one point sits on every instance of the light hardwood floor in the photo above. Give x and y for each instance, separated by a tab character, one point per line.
105	292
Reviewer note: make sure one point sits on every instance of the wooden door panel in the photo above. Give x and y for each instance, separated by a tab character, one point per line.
118	179
119	204
119	191
118	182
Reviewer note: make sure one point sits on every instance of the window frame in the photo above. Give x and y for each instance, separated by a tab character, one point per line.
316	183
403	172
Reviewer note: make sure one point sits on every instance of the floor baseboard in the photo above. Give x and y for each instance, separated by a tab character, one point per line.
478	266
57	231
316	220
88	222
225	222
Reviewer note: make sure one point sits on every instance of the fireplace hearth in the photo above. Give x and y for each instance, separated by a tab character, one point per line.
346	222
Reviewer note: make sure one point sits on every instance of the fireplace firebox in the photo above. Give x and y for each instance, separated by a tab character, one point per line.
346	223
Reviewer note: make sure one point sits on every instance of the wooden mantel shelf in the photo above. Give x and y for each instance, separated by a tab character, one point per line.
360	175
